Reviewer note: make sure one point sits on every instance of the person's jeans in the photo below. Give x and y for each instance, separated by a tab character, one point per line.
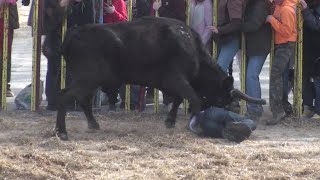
227	52
214	120
253	87
317	99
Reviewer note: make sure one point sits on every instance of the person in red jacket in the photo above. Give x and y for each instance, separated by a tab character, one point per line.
114	11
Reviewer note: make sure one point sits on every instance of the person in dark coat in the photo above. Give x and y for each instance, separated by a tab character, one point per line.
258	45
311	54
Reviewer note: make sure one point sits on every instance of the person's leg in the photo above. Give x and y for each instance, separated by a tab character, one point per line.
282	56
286	90
10	39
227	52
218	122
253	87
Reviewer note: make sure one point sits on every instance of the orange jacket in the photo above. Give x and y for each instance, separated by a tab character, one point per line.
284	22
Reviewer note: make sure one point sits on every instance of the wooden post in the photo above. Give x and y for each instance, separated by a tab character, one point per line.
127	93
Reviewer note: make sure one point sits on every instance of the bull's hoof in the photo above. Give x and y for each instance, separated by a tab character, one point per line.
94	125
170	124
62	136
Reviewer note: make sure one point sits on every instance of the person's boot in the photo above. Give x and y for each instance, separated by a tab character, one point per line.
239	131
9	92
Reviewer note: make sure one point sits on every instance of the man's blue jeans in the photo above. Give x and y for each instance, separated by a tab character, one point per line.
253	87
227	52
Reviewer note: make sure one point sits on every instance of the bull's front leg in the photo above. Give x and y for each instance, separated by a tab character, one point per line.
60	129
172	116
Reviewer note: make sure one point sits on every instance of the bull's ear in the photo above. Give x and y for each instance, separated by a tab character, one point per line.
228	82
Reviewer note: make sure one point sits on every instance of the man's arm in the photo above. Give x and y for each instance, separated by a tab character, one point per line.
287	24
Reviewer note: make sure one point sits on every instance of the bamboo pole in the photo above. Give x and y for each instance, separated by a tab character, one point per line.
5	56
243	72
63	62
127	93
36	56
215	23
156	91
185	101
297	100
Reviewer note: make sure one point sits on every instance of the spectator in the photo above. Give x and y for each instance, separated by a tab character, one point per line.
311	44
227	33
13	24
79	13
256	30
201	18
283	22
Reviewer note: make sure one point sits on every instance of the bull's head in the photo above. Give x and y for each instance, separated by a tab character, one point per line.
216	88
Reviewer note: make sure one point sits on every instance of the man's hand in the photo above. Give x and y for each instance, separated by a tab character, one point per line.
109	9
157	5
268	19
213	29
303	4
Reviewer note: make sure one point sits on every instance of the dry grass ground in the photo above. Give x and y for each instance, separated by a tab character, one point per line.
138	146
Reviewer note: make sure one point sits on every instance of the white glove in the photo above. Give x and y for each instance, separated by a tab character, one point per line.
109	9
156	5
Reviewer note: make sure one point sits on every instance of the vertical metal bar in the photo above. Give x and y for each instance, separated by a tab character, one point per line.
127	93
5	56
36	56
297	100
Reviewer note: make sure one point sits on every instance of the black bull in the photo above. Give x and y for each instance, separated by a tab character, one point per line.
156	52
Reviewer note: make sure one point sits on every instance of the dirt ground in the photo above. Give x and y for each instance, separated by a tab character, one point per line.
138	146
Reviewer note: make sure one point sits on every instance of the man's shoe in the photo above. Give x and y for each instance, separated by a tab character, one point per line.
237	131
10	93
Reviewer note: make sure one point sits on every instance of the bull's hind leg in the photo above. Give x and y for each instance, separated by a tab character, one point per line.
181	88
83	95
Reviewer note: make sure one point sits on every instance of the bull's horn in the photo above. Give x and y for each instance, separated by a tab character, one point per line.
239	94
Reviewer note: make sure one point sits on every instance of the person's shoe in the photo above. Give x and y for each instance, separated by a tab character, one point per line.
307	112
194	125
276	119
237	131
10	93
112	108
